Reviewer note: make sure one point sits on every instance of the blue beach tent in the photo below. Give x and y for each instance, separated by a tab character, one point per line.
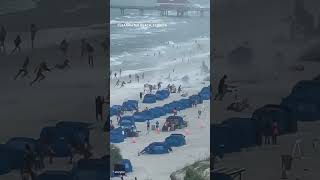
157	148
185	103
156	113
80	128
205	93
196	99
162	94
14	157
20	143
142	116
127	121
149	98
117	135
130	105
161	111
93	169
55	175
115	109
5	161
127	164
168	108
175	140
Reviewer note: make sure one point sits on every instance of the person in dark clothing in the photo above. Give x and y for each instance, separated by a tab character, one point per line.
175	111
17	43
64	46
122	84
141	95
23	69
148	126
90	51
98	108
267	133
3	35
42	67
159	85
221	88
83	47
157	125
64	65
275	132
179	89
33	31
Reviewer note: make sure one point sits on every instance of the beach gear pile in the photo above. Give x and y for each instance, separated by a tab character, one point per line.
302	104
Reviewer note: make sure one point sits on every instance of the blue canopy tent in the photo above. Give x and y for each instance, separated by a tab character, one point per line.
269	113
55	175
20	143
61	137
185	103
142	116
204	95
157	148
14	157
222	140
130	105
95	169
127	121
156	113
168	108
80	128
161	111
162	94
127	164
242	130
196	99
175	140
149	98
5	161
117	135
115	109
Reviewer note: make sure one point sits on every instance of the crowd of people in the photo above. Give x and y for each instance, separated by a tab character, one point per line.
87	49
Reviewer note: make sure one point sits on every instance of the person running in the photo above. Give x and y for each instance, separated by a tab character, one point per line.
117	83
3	35
42	67
33	31
122	84
275	132
148	127
141	95
83	47
64	46
90	51
221	88
17	43
23	69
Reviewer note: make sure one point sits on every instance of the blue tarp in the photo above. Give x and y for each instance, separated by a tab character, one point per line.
20	143
157	148
55	175
117	135
149	98
142	116
175	140
115	110
130	105
95	169
162	94
127	164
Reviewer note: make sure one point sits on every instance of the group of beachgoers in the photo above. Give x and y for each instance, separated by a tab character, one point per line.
87	49
122	83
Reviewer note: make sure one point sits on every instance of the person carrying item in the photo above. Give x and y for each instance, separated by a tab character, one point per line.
23	69
33	31
17	43
275	132
221	88
3	35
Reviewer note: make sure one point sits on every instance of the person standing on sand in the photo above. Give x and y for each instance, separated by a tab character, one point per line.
115	74
275	132
33	31
221	88
64	46
42	67
3	35
141	95
148	127
90	51
17	43
23	69
83	47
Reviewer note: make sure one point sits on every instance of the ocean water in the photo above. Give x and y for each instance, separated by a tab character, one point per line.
132	46
11	6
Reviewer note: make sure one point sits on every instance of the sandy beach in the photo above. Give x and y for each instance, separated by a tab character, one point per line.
265	81
65	95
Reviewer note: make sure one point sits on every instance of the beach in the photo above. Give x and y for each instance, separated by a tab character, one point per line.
65	95
265	81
